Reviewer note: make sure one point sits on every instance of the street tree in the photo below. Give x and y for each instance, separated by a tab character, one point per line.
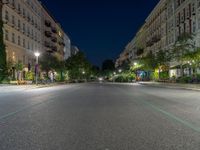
3	68
19	68
162	59
48	63
193	59
182	47
78	67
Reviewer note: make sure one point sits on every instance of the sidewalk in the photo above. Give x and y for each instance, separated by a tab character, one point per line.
8	87
195	87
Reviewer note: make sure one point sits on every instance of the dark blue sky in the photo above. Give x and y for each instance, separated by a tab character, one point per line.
100	28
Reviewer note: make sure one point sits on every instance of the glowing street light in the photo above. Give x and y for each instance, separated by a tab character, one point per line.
37	54
83	72
120	70
135	63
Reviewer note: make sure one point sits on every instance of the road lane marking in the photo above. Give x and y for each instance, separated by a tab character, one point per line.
172	116
168	114
52	99
22	109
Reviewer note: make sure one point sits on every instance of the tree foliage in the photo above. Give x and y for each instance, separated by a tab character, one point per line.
78	67
3	68
183	48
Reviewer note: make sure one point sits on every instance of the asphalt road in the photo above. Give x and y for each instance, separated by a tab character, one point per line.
99	117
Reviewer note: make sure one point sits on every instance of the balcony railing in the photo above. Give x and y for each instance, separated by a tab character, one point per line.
47	23
54	48
54	30
47	33
54	39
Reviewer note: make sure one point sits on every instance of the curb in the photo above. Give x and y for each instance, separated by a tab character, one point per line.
171	87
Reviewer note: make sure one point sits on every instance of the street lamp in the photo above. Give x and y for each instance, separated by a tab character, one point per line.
83	72
135	63
37	54
120	70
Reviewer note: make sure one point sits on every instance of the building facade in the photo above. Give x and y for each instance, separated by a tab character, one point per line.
22	30
29	28
167	21
74	50
52	35
67	48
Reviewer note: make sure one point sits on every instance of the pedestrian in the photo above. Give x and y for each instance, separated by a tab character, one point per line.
51	77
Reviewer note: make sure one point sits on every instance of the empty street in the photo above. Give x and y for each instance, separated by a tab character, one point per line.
99	116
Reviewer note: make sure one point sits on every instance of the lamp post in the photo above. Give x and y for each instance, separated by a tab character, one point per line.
84	78
37	54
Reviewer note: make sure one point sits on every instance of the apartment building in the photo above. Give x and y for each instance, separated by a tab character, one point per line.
52	35
167	21
123	58
134	49
22	30
67	48
29	27
74	50
1	5
156	28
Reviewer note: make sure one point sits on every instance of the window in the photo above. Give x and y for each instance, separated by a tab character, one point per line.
199	23
19	40
32	46
6	35
194	27
24	12
24	43
24	27
13	20
19	8
193	8
19	24
6	16
13	3
198	3
28	45
28	30
32	33
13	37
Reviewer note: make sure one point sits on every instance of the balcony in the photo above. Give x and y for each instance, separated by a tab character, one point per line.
156	38
47	33
28	19
54	48
47	23
139	51
62	43
149	43
47	44
54	39
5	1
18	11
32	22
54	30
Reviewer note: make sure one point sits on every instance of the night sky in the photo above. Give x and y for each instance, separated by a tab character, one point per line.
100	28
